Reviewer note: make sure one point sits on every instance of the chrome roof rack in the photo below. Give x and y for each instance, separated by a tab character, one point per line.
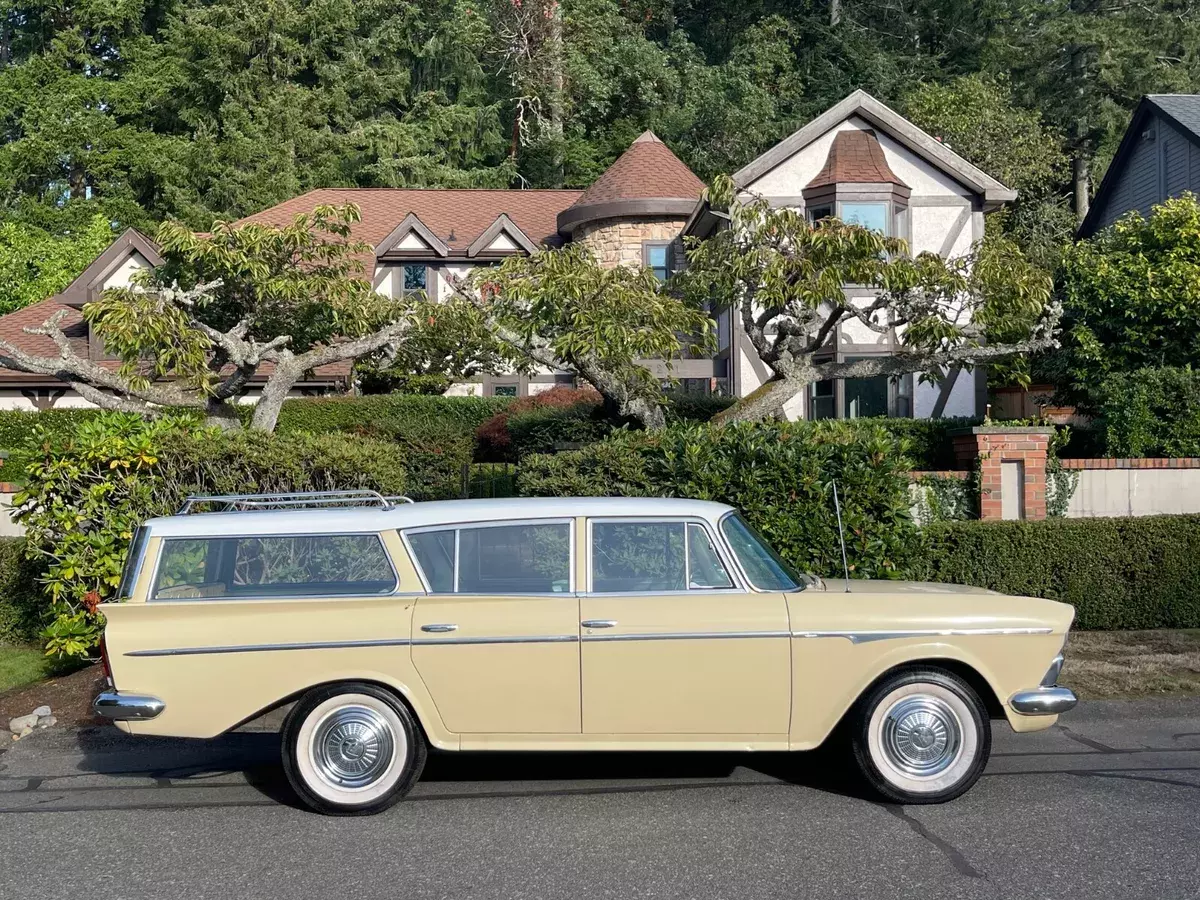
296	500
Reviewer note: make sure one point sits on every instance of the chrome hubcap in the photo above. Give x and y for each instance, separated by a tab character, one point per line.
921	735
353	747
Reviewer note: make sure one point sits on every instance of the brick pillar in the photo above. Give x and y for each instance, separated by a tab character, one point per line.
1016	455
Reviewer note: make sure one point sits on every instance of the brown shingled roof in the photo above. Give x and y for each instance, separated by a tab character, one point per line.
456	217
855	158
647	170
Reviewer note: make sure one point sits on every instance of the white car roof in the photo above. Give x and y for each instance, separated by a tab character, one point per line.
344	520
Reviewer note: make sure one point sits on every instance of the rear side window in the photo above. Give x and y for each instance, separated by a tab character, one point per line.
532	558
269	566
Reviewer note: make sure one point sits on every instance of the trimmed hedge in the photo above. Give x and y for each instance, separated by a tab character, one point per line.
21	609
779	474
1119	573
1151	413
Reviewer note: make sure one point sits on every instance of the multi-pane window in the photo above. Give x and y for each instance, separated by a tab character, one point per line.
869	215
413	278
495	559
648	557
658	259
287	566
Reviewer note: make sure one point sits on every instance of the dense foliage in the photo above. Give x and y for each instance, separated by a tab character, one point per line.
1151	413
781	476
1117	573
87	491
35	263
22	610
214	109
1131	296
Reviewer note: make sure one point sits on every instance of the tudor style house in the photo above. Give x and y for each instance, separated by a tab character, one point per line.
860	161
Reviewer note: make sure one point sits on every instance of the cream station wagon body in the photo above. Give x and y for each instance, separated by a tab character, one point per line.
554	624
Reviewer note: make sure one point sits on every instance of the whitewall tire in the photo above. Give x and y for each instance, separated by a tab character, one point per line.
921	736
351	749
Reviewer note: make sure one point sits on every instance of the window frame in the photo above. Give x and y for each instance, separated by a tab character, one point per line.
456	527
152	587
647	246
738	583
402	292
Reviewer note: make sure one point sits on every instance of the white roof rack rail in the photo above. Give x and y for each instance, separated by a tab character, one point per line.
296	500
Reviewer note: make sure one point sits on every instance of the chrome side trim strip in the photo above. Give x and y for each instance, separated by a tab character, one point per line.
863	637
255	648
502	639
686	636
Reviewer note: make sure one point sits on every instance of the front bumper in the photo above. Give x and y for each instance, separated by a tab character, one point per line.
1048	698
127	707
1043	701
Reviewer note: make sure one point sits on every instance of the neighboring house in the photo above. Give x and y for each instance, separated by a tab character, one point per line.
1158	158
860	161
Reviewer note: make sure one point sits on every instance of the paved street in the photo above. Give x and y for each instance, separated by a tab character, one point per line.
1105	805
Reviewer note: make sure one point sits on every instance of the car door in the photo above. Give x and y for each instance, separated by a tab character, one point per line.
672	643
496	639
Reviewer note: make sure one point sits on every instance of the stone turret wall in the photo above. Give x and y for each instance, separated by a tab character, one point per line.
618	242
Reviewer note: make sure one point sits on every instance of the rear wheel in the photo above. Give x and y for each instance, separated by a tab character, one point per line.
921	736
351	749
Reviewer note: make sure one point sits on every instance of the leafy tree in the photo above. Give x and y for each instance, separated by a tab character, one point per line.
1131	296
561	310
784	278
223	308
35	264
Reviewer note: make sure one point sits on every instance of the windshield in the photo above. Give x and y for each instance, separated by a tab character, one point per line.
132	561
762	565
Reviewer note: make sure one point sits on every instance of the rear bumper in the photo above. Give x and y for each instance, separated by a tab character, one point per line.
127	707
1043	701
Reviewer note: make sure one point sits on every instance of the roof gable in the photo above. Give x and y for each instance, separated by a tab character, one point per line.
862	105
92	280
411	237
501	237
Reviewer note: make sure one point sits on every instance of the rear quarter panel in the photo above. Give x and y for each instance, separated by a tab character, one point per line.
831	672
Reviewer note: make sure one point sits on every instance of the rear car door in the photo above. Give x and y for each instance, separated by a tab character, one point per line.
672	642
496	640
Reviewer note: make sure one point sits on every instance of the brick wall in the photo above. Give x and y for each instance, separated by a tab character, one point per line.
1016	456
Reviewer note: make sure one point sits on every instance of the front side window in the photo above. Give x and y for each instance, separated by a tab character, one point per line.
763	566
653	557
497	559
273	566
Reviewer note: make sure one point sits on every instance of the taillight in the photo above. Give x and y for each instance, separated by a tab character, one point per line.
104	662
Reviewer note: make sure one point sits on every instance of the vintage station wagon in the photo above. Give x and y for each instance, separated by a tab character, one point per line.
554	624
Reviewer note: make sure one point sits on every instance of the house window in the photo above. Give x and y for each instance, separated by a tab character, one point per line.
822	397
868	215
413	278
817	213
657	258
859	398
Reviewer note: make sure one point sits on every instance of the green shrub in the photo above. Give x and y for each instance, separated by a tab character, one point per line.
685	406
546	429
780	475
1151	413
385	415
88	491
1118	573
22	611
18	426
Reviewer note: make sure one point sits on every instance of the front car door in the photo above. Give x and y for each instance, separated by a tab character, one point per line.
673	643
496	639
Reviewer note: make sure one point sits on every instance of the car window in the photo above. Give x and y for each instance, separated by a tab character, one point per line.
705	569
762	565
273	566
532	558
633	557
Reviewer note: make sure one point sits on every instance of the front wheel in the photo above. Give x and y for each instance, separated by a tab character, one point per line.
921	736
351	749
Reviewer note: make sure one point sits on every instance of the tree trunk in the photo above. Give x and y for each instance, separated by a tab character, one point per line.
1081	177
766	402
557	86
835	11
278	386
650	414
222	414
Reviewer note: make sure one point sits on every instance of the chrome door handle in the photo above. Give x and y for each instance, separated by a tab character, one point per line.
598	623
439	629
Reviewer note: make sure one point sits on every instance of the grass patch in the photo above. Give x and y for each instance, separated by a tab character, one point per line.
21	665
1102	665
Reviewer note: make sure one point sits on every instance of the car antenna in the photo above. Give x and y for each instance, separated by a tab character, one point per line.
837	505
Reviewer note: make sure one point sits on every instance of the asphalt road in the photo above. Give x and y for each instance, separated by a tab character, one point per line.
1105	805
